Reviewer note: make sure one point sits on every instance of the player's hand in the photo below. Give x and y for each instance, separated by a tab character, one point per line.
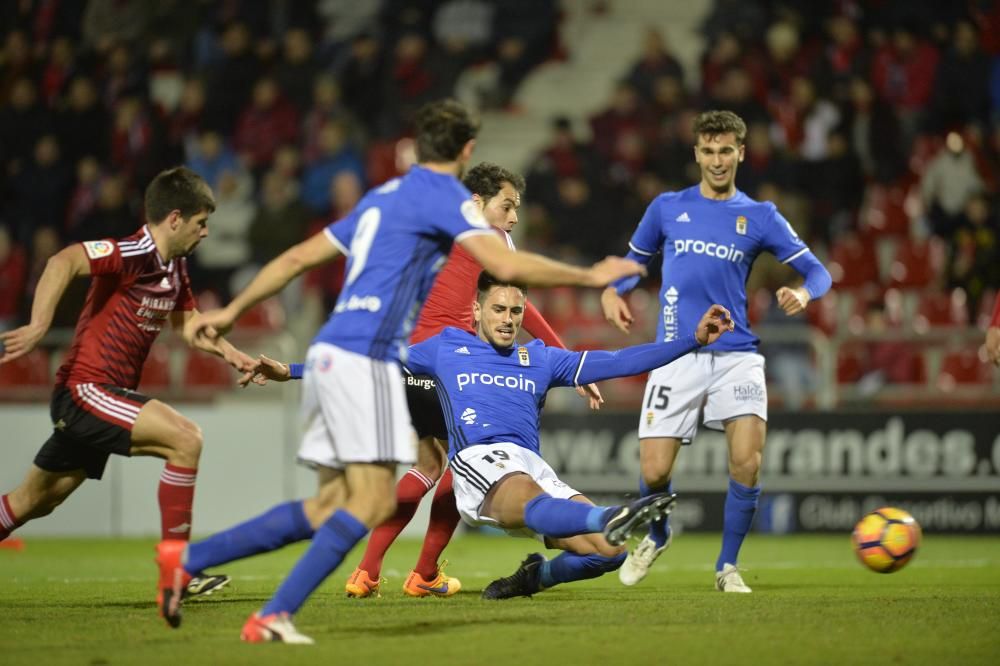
210	324
713	325
20	341
610	269
266	369
992	345
792	301
592	394
240	361
616	310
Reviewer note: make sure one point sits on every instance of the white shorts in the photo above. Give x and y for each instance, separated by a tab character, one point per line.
707	386
477	468
353	410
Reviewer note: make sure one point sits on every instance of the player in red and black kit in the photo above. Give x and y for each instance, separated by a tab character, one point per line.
498	194
139	284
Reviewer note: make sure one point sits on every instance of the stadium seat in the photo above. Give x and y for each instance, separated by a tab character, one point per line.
925	148
853	263
31	371
916	263
850	364
824	313
268	315
202	371
941	309
964	367
883	211
156	370
985	310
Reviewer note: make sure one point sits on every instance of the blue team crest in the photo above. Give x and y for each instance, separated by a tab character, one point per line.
741	225
522	356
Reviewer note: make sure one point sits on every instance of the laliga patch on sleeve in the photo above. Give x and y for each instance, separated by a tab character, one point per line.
470	211
98	249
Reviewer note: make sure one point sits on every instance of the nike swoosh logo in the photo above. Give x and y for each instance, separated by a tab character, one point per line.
443	589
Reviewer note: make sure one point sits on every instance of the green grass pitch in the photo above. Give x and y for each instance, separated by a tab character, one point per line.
65	601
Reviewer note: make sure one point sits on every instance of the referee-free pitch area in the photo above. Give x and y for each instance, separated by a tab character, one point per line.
76	601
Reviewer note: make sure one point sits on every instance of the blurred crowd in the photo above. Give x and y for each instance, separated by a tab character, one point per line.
874	126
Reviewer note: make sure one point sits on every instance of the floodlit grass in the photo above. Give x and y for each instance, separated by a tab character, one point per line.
65	601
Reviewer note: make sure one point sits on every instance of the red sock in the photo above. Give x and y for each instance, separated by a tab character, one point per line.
444	520
8	521
176	495
409	491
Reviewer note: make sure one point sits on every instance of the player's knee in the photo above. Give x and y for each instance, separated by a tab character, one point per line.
188	440
432	469
383	509
745	468
655	475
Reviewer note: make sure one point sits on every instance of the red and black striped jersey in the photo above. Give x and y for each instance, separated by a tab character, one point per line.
131	296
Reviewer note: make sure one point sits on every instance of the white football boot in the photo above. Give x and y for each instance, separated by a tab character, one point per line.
730	580
637	564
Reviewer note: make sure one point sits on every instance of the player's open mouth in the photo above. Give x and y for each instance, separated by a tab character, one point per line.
505	332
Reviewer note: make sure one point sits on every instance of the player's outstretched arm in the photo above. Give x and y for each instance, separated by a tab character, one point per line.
534	269
59	271
213	343
271	279
266	369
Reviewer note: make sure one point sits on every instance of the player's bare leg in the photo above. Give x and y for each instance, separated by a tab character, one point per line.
656	462
38	495
745	436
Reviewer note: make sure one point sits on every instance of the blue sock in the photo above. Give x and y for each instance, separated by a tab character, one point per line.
741	504
659	530
279	526
558	518
331	543
568	567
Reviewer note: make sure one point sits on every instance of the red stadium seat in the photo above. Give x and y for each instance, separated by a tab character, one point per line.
31	371
941	309
853	263
883	211
916	263
203	371
267	315
156	370
964	367
850	364
985	310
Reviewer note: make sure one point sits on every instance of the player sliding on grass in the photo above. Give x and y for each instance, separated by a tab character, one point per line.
497	193
357	426
492	390
139	283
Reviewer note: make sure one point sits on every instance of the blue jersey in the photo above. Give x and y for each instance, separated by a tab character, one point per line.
708	248
396	240
492	395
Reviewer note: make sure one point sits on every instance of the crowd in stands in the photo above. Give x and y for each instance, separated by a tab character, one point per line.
874	126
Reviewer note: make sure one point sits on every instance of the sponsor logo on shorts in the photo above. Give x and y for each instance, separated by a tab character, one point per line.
322	364
98	249
649	418
750	392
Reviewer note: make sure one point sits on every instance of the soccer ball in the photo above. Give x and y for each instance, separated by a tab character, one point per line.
886	539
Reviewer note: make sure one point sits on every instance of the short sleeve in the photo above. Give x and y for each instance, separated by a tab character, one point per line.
781	240
420	358
185	299
341	232
460	217
104	256
648	236
564	365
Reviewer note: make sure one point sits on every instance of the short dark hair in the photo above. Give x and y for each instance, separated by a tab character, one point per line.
487	281
486	179
714	123
443	128
179	189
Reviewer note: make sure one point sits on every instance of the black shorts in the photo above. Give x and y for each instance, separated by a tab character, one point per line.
425	409
90	421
